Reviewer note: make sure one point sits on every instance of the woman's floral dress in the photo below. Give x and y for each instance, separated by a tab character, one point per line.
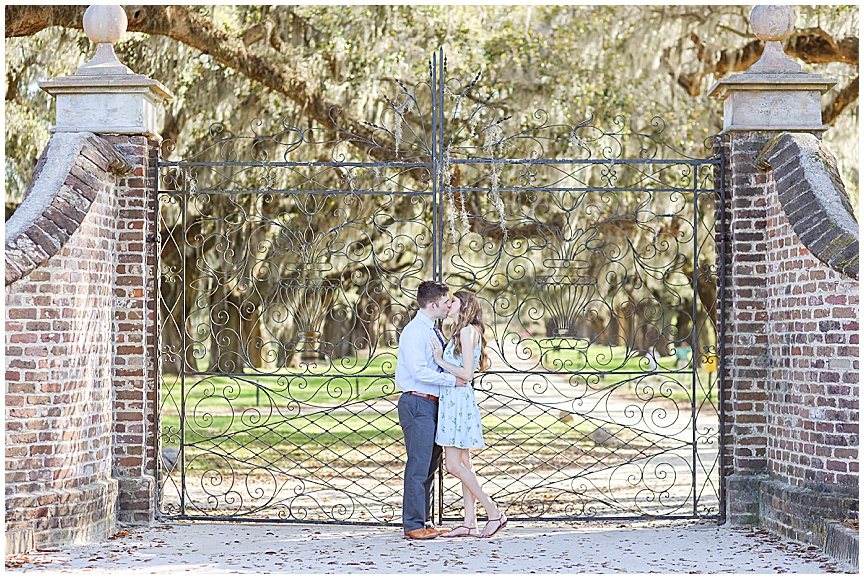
458	414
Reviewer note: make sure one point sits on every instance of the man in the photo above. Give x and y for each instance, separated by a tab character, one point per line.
420	379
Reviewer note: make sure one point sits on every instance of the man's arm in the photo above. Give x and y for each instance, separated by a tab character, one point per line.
415	360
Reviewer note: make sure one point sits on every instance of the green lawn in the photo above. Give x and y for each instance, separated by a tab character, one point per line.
336	427
267	430
339	439
254	415
371	379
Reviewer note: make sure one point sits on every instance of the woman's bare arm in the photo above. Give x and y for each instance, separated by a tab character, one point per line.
468	336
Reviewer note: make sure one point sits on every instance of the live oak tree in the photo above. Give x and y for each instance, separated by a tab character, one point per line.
234	63
313	65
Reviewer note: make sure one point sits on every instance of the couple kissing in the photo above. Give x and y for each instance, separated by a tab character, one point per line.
438	411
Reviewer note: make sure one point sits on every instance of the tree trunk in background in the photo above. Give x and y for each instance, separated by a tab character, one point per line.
226	347
252	339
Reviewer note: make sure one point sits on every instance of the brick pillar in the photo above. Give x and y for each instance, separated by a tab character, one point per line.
746	361
770	98
106	98
134	320
60	266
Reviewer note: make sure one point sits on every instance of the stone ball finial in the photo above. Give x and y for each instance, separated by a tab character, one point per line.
105	23
772	22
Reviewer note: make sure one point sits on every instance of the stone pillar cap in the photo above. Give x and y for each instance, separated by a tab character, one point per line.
773	94
124	104
105	83
790	81
105	96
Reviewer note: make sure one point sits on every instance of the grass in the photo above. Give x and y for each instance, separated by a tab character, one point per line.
250	389
226	443
575	355
295	416
326	429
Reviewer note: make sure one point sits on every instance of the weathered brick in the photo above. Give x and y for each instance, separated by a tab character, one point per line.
804	310
59	333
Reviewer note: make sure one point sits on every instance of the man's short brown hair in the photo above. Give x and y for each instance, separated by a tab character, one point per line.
430	292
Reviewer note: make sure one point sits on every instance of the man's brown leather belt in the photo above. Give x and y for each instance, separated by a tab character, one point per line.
429	396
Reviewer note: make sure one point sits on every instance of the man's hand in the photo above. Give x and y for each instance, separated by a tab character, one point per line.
461	381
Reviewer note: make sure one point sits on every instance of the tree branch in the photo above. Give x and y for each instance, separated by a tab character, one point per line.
26	20
815	46
188	27
846	96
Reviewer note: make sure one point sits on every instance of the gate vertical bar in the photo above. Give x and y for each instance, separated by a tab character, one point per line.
433	152
157	344
442	72
182	324
721	341
441	137
438	156
435	160
694	376
437	247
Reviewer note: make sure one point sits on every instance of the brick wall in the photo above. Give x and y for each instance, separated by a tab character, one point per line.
58	365
746	339
747	363
813	386
792	362
79	347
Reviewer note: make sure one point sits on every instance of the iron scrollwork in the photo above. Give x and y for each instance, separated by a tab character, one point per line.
289	266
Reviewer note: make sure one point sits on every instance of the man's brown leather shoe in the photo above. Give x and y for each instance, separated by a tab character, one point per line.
438	531
421	534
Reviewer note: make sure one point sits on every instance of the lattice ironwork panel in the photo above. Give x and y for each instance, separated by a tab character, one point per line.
289	265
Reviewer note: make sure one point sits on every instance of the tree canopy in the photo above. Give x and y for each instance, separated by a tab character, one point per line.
270	69
291	63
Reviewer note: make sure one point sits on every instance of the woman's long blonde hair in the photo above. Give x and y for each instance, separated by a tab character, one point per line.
470	314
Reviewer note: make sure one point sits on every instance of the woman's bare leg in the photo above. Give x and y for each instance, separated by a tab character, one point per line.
469	479
468	497
453	456
493	525
470	505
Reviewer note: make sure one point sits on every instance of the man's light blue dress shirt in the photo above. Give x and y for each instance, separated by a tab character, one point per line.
416	370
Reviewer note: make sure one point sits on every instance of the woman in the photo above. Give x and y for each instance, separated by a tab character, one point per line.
458	415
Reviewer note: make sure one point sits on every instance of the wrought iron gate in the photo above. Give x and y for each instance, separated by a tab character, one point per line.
289	264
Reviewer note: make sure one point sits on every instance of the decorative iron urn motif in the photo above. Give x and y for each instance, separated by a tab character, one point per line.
568	289
308	302
565	298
